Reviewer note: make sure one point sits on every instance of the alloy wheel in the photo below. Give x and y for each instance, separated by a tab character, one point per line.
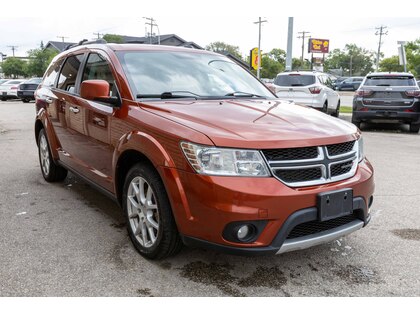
44	155
143	212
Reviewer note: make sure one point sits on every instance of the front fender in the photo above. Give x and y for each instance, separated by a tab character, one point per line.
43	118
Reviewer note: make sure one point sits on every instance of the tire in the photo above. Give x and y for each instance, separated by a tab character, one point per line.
325	107
50	170
25	100
358	124
150	222
414	128
4	99
337	110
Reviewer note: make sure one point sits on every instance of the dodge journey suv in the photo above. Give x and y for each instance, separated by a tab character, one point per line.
197	151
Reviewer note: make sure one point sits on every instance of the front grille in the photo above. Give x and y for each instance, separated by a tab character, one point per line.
299	175
341	168
340	148
299	167
291	154
314	227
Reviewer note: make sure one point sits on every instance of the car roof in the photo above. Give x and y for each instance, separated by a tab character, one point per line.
374	74
300	72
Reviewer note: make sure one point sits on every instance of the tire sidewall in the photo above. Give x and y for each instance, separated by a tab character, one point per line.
43	134
162	202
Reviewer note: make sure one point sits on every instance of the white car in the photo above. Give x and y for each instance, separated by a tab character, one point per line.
310	88
9	89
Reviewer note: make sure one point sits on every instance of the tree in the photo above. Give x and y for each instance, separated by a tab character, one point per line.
390	64
412	50
39	59
221	47
13	67
297	64
113	38
273	63
352	59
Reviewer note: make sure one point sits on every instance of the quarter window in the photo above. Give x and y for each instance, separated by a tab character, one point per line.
68	75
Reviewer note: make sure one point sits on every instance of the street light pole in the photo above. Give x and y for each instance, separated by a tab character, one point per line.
259	46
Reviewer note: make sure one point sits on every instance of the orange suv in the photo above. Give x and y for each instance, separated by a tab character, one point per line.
197	151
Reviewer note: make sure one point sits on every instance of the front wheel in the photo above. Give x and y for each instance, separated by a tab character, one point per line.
25	100
50	170
151	225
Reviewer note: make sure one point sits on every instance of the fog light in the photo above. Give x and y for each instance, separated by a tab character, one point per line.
243	232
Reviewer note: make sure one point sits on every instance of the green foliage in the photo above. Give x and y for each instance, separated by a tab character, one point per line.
359	59
14	67
113	38
391	64
412	50
221	47
273	63
297	64
39	60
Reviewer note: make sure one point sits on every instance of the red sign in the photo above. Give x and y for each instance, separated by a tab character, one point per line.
318	45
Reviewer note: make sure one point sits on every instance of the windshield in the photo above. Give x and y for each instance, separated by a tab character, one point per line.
294	80
198	75
390	81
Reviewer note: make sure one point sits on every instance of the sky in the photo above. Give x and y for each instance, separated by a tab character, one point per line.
214	20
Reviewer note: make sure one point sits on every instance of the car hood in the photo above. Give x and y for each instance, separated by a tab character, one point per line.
255	123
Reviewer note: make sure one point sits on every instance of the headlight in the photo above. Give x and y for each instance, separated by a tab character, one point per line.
225	162
360	152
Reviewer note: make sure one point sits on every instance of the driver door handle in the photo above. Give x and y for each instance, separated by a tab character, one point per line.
74	109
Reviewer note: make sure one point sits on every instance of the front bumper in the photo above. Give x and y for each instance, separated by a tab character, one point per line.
215	202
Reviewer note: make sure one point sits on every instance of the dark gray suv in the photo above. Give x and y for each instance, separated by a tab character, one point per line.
388	97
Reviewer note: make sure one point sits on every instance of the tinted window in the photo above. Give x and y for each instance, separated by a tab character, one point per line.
390	81
294	80
68	75
202	74
97	68
51	75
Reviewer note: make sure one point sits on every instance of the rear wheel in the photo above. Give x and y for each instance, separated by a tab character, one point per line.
414	128
50	170
325	107
151	225
25	100
337	110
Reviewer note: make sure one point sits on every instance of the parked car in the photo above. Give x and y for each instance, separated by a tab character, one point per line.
196	150
26	90
8	89
388	97
337	81
310	88
3	81
351	84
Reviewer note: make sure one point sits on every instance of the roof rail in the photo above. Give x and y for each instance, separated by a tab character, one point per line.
87	42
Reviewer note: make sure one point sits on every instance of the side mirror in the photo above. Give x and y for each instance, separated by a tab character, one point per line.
94	89
98	90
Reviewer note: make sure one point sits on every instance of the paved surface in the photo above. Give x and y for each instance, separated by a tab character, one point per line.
67	239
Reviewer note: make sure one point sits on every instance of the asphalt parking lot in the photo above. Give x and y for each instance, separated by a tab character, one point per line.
67	239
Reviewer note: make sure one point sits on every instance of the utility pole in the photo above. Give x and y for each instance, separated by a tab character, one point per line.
380	31
62	38
259	45
13	48
152	22
303	42
289	45
98	35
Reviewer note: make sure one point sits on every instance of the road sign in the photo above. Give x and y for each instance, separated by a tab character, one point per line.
254	58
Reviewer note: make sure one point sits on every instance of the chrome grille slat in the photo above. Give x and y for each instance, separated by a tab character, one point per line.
332	163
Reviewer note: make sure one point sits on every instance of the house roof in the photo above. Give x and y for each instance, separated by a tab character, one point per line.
164	40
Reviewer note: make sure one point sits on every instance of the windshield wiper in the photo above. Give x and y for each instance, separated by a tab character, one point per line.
383	84
169	95
243	94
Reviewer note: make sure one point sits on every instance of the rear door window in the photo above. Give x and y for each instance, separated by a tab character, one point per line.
295	80
390	81
68	74
52	73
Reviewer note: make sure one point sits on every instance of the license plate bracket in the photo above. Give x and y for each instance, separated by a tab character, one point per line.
334	204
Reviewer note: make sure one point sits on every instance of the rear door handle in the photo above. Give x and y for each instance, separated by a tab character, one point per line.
74	109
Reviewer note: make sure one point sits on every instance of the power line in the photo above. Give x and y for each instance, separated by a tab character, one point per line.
62	38
303	41
380	31
98	35
152	22
13	48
